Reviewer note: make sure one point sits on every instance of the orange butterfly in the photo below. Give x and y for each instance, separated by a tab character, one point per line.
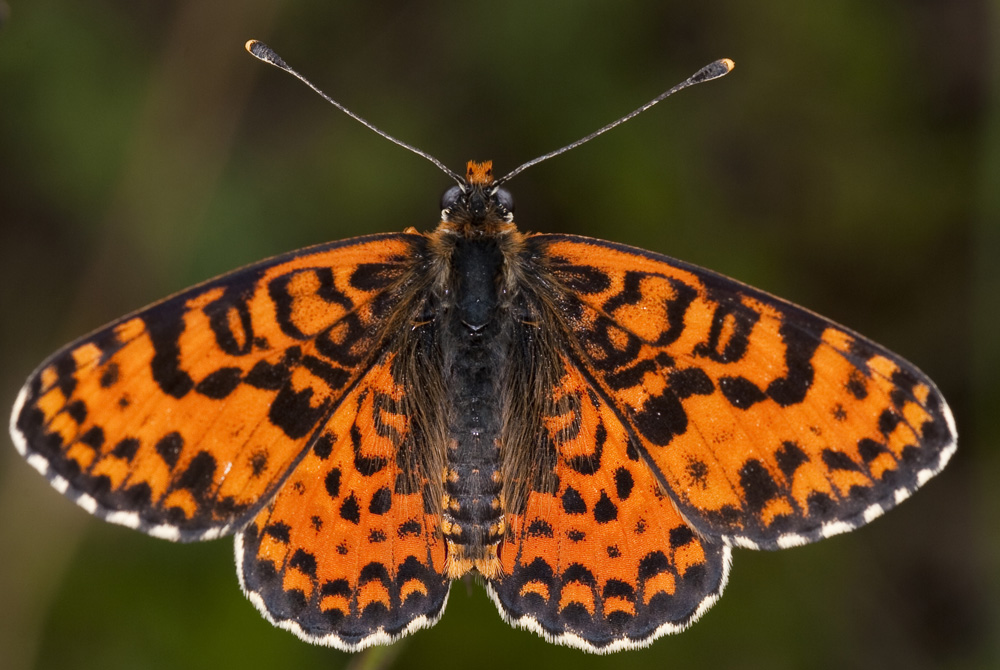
589	427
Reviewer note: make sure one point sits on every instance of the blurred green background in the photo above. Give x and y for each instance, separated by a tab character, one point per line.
850	163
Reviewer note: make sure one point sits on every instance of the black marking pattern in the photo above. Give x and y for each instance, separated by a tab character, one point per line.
675	368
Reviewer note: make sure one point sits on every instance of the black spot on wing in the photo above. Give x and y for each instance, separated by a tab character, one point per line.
110	375
838	460
293	412
332	483
229	319
887	421
870	449
690	381
165	325
801	340
381	501
573	502
126	448
77	410
623	483
680	536
790	456
258	462
757	484
539	528
616	588
65	374
220	383
653	564
661	418
605	510
268	376
280	531
740	392
304	562
409	527
169	448
199	475
93	438
857	385
350	510
697	472
323	446
729	334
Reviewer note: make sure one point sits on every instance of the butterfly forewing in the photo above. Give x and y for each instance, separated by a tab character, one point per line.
766	424
184	418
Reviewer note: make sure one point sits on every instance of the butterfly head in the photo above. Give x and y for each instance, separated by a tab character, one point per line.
477	202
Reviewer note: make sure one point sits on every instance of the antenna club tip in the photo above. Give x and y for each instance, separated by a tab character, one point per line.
261	51
713	70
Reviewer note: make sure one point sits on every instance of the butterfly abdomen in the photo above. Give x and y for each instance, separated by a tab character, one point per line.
473	336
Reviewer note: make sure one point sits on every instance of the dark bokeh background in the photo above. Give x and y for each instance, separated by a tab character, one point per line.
849	163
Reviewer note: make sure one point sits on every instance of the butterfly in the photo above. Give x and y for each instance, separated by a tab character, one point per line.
588	427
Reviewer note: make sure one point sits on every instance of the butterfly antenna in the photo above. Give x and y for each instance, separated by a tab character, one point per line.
265	53
711	71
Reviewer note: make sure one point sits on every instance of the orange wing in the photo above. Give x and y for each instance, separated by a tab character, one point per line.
183	419
345	555
606	562
767	425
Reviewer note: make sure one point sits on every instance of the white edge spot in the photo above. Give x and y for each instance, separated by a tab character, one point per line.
791	540
123	518
740	541
950	419
87	502
165	532
573	640
379	637
873	512
214	533
832	528
19	442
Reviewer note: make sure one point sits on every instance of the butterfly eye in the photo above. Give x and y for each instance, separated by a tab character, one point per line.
451	197
506	200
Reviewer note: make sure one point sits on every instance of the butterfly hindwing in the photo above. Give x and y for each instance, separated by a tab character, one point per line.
183	419
605	562
768	425
348	554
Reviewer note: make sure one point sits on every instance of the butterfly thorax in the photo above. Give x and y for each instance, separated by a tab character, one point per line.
474	245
